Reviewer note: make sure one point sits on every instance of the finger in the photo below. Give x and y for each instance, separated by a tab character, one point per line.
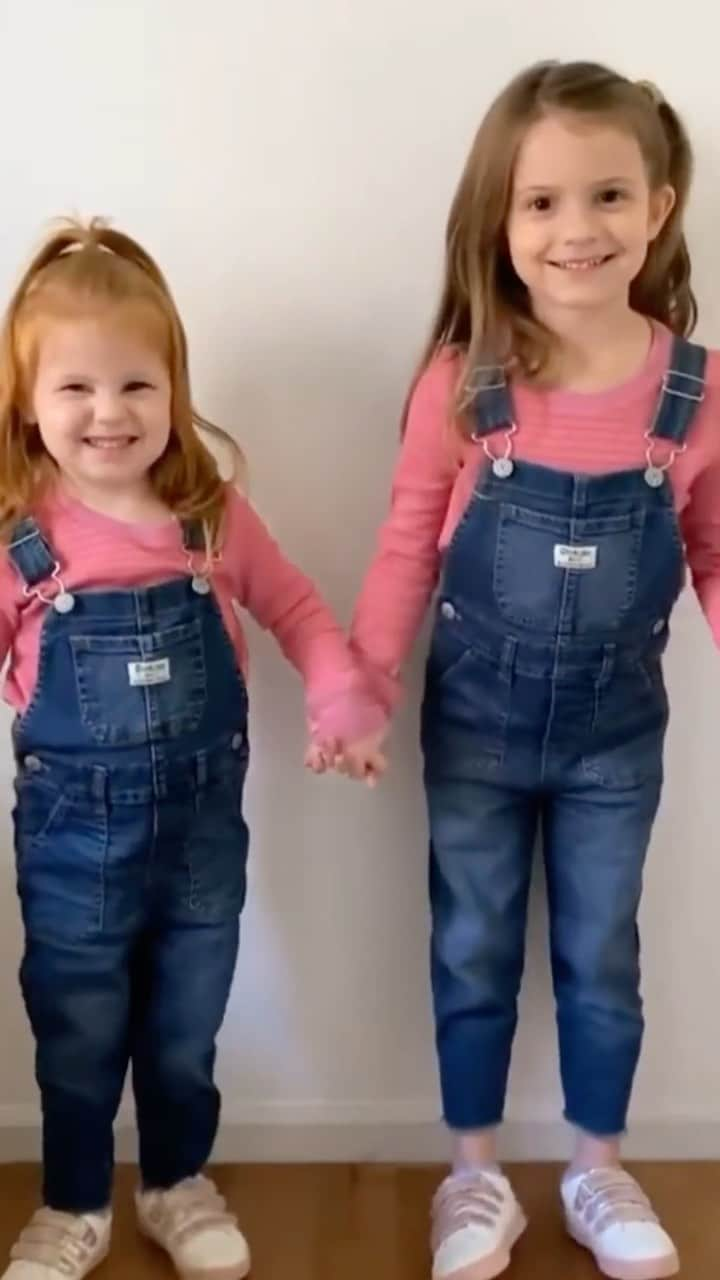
316	758
377	764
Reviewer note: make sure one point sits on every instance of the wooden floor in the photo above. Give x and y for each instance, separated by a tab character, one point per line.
339	1222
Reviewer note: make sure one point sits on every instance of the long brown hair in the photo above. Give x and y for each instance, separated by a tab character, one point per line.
80	270
484	310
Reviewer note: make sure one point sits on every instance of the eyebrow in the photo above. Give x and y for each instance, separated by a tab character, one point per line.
599	182
133	375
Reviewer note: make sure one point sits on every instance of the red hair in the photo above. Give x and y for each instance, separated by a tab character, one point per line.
82	270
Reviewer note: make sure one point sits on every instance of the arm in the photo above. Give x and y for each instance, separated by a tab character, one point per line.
10	601
284	601
404	571
701	530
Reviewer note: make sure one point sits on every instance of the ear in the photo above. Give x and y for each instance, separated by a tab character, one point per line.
662	203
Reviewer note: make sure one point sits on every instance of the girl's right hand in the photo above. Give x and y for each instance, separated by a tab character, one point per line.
364	760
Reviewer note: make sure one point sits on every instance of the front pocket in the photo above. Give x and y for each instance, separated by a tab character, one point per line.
142	688
574	575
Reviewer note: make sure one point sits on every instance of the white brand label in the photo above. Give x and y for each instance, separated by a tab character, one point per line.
575	557
144	673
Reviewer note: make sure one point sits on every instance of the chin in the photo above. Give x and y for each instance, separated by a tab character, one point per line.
585	295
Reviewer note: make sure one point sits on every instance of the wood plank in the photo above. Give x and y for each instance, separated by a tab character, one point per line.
370	1222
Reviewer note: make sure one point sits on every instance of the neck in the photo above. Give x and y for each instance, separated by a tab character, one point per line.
595	350
134	504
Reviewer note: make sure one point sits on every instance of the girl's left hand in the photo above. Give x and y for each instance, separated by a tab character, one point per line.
319	757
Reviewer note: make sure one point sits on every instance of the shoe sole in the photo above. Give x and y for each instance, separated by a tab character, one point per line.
236	1272
649	1269
495	1263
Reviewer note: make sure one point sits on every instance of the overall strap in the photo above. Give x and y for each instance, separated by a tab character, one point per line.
683	391
491	402
193	534
31	553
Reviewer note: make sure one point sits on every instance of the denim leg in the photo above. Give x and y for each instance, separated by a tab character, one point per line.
595	839
183	975
182	980
77	998
482	839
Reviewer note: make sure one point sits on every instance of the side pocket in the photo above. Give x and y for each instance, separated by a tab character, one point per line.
39	808
631	717
61	849
216	848
464	718
448	648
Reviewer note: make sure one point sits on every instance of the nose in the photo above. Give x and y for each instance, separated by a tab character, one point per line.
109	407
579	228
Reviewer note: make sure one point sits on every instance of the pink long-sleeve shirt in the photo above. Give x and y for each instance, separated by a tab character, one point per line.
98	552
589	433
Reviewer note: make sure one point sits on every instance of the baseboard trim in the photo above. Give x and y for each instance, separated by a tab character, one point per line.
367	1133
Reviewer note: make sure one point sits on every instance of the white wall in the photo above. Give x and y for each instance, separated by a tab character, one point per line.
291	166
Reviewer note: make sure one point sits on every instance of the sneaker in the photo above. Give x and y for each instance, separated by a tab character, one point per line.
192	1223
609	1214
60	1246
476	1222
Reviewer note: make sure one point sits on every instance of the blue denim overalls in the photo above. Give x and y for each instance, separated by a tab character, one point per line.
131	857
545	707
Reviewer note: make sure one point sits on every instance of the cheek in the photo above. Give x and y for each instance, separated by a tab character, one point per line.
634	227
158	427
636	243
55	440
525	247
156	416
58	427
162	423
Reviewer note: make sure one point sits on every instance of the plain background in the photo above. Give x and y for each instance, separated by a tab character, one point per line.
291	167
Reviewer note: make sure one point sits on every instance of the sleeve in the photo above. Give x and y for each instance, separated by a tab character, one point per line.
404	570
285	602
10	593
701	531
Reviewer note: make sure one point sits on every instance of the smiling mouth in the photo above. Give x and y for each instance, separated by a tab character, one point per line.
109	442
581	264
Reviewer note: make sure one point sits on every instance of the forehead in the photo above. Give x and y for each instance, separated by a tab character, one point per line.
108	340
571	150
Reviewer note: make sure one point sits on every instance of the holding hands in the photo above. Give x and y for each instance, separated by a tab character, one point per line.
363	760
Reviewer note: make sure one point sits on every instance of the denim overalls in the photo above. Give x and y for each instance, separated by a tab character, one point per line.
545	708
131	858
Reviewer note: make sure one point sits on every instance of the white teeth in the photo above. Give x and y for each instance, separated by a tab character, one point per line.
580	264
113	443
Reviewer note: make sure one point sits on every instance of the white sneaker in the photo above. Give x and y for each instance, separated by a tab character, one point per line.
192	1223
609	1214
60	1246
476	1222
